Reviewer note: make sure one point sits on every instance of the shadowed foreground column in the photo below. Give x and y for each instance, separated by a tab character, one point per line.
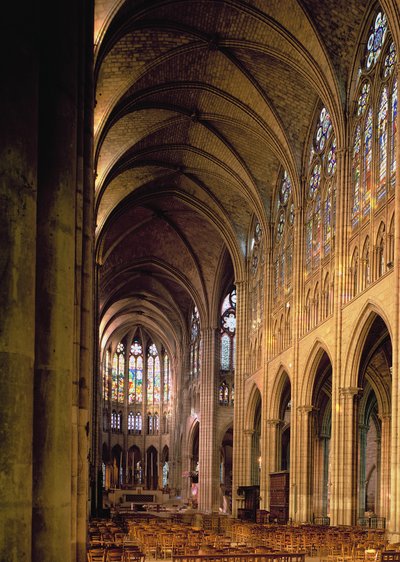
18	143
51	525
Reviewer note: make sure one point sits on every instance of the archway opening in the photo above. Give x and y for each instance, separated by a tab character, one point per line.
374	428
225	475
321	416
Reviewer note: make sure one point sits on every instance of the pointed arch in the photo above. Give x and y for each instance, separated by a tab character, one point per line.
362	326
253	401
318	349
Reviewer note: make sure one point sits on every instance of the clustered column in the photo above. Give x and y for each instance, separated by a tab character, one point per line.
46	326
208	458
239	450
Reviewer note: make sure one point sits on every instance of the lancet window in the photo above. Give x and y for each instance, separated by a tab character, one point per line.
195	344
118	374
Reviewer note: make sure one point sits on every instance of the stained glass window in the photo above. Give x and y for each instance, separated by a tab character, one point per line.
393	136
331	164
317	230
314	181
324	130
153	376
390	60
367	176
166	379
375	40
363	98
223	394
121	372
131	422
114	420
135	393
118	374
106	367
228	331
286	189
309	233
356	176
138	422
320	194
114	378
281	226
291	214
382	141
284	219
195	343
374	159
327	221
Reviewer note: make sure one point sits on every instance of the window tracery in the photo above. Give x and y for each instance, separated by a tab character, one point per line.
320	218
257	262
135	377
118	374
373	154
195	344
153	376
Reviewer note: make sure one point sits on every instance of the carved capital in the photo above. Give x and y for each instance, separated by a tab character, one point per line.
349	392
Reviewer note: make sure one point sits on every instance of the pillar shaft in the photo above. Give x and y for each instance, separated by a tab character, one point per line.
208	458
304	474
18	184
55	289
346	500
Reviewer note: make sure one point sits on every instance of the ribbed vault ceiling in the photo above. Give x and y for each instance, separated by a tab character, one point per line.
200	104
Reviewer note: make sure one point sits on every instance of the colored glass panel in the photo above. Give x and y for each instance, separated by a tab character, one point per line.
317	230
131	380
105	375
309	232
257	232
139	379
315	181
114	378
331	163
138	422
363	98
121	377
225	352
166	379
281	226
286	189
150	380
157	380
375	40
228	330
393	136
382	143
291	214
327	223
324	130
356	176
390	61
367	176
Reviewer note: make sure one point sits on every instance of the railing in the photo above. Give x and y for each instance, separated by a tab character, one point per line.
240	557
372	522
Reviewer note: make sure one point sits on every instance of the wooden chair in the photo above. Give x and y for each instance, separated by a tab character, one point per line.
114	555
96	555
